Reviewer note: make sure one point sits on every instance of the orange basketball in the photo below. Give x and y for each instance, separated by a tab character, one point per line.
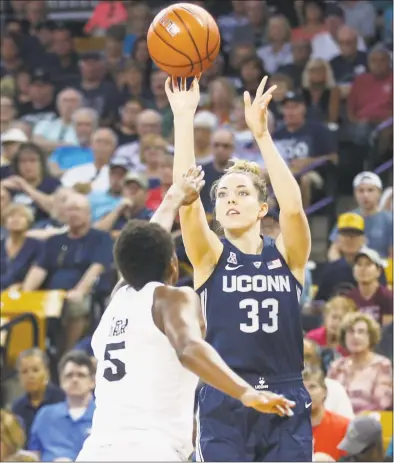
183	40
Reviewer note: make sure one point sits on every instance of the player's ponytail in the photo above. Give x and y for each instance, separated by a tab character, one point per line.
249	168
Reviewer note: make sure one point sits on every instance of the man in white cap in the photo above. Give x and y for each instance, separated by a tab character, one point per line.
11	141
378	224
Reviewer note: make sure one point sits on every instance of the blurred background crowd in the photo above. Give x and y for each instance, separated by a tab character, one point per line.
86	145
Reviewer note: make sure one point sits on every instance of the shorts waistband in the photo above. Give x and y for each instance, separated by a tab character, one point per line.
261	382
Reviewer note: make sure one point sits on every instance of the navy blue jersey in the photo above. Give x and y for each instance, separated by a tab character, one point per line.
251	306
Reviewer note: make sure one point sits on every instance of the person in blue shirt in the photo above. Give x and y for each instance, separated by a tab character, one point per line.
78	261
33	372
17	252
302	142
59	430
30	182
131	206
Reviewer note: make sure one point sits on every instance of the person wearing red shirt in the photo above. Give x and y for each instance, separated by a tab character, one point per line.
156	195
105	15
329	428
371	297
328	334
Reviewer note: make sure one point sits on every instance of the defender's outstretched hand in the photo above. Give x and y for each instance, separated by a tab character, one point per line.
256	113
268	402
181	99
190	186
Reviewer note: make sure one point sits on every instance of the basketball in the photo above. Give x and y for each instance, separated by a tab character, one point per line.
183	40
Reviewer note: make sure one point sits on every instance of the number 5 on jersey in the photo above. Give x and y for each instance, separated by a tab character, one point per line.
252	305
117	370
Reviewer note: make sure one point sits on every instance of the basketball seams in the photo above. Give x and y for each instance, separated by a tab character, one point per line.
186	26
173	48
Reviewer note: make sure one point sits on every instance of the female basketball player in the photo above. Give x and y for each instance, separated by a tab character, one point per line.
250	288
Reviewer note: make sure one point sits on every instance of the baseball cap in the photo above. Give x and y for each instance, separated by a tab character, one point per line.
140	179
14	135
367	178
205	120
372	255
361	433
41	75
293	96
120	162
350	221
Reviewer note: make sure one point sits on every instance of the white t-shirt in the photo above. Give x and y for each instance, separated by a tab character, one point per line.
326	48
337	400
142	389
87	173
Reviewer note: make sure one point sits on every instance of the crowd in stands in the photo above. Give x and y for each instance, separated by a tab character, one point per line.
87	144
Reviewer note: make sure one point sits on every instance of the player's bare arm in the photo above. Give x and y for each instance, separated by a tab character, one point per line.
294	242
202	246
177	313
184	192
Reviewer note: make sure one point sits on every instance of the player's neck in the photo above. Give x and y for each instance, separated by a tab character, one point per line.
367	290
79	401
247	241
317	416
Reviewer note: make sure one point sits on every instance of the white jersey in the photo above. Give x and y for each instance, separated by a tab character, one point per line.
142	390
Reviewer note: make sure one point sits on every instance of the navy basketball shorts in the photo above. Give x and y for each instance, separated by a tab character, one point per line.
228	431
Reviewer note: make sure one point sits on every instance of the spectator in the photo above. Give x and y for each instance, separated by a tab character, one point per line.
328	334
337	275
378	225
337	400
104	16
229	22
18	252
328	428
205	123
350	62
35	13
85	123
113	50
370	98
313	15
301	51
7	114
156	195
49	135
159	101
12	439
361	16
325	45
237	55
5	200
223	145
371	297
131	82
94	176
255	30
11	59
366	376
278	50
363	440
41	106
139	18
152	150
321	95
11	142
126	129
22	83
140	55
98	93
74	261
221	99
148	122
242	134
284	85
132	205
31	183
33	371
54	424
302	142
251	72
389	451
216	71
103	202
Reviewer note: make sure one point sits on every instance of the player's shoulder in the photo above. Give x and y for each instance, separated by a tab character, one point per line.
173	292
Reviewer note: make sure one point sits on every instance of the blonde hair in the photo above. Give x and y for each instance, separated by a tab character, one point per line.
351	319
347	304
330	80
15	208
149	140
249	168
12	433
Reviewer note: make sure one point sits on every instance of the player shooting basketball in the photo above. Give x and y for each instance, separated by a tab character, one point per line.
250	288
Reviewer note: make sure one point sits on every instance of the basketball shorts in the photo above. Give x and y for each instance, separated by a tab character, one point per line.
156	450
228	431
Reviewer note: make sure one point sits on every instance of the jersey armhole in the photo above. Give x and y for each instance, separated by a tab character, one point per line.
219	262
